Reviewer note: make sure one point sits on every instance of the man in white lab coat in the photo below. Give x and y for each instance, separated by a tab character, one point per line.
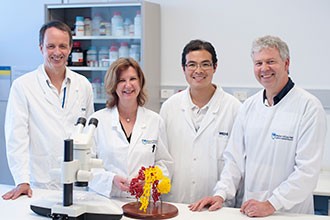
198	123
43	107
277	141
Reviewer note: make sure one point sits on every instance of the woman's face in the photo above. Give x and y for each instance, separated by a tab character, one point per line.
128	87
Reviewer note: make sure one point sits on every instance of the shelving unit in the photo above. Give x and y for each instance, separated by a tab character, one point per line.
149	41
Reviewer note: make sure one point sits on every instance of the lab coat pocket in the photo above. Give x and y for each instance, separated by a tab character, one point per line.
283	135
217	151
284	128
147	152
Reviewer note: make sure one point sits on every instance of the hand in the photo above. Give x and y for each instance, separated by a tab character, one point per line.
253	208
20	189
121	182
215	203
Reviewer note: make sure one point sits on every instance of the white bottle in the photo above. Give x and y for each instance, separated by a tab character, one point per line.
88	26
123	50
104	57
96	25
79	26
117	24
137	24
107	28
113	54
134	52
127	24
96	85
91	57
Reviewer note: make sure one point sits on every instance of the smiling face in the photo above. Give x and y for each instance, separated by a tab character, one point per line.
128	86
270	70
200	77
55	49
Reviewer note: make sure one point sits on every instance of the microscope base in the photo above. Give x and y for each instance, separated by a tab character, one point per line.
94	207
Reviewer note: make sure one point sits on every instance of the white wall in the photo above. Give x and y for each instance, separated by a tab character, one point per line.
20	22
232	26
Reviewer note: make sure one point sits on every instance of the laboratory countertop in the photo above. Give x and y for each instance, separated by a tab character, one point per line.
20	209
323	185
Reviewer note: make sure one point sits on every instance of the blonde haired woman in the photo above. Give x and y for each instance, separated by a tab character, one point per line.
128	135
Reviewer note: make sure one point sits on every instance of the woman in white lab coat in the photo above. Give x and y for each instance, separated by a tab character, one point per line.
128	135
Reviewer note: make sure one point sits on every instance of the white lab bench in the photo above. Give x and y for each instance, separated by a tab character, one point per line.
322	194
20	209
323	185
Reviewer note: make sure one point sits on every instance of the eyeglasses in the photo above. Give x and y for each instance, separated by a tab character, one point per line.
204	66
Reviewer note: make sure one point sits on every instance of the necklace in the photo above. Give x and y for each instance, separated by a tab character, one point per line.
127	119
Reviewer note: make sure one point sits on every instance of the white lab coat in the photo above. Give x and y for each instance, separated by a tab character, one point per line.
279	151
123	158
197	155
36	124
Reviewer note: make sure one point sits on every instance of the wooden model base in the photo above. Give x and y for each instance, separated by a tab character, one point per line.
160	210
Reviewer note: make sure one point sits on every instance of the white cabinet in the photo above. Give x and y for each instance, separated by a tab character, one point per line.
147	42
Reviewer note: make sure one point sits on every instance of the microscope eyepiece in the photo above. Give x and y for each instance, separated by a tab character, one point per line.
81	120
93	121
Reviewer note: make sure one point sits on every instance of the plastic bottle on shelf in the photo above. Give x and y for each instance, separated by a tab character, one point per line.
96	25
79	26
77	55
91	58
123	50
127	23
88	26
96	85
104	57
107	28
113	54
102	28
103	92
137	24
134	52
117	24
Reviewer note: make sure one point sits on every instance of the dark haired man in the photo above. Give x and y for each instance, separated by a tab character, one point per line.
198	124
42	109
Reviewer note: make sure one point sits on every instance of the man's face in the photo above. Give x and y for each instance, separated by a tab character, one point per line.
270	70
55	48
199	69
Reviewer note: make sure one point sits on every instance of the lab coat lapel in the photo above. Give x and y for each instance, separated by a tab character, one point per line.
209	117
214	106
116	123
72	95
47	92
138	129
185	105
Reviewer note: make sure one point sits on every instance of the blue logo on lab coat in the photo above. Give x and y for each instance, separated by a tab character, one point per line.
145	141
281	137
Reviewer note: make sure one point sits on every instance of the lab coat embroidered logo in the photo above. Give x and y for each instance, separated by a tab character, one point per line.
281	137
223	133
145	141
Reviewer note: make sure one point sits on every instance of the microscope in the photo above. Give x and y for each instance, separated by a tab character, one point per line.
75	170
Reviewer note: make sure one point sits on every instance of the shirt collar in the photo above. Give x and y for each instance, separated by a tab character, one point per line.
67	78
289	85
193	107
